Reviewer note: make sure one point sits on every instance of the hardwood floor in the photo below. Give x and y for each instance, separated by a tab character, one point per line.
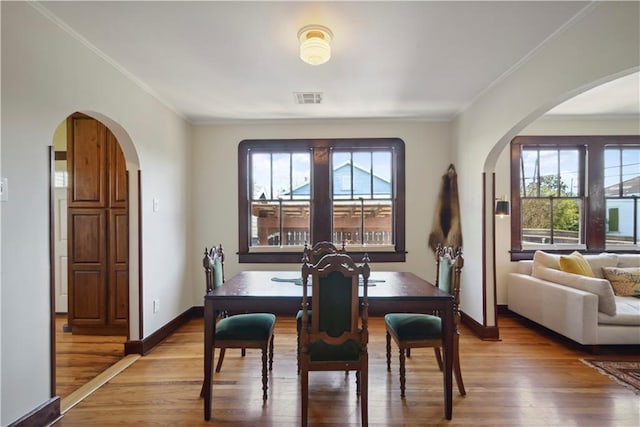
80	358
530	378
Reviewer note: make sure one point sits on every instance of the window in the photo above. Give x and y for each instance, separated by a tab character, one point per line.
340	190
574	192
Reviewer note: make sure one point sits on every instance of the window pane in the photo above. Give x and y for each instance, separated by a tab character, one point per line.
382	184
612	172
619	221
549	185
363	222
261	176
378	222
341	163
281	167
566	221
529	164
630	172
266	222
301	171
536	223
569	170
362	174
295	223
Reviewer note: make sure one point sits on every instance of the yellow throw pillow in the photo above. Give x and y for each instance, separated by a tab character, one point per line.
576	264
625	281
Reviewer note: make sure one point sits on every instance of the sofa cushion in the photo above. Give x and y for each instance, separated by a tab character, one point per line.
576	264
625	281
601	260
543	259
627	313
628	260
600	287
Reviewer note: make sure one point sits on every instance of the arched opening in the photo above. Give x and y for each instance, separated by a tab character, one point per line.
124	216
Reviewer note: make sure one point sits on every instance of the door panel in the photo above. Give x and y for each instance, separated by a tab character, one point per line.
86	154
89	291
119	266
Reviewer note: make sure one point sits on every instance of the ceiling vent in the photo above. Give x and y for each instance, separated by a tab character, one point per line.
308	97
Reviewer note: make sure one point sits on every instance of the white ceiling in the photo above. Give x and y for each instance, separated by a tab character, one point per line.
217	61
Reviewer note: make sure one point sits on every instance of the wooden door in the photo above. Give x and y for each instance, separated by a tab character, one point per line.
98	230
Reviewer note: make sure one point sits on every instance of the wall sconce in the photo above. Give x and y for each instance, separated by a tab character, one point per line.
502	207
315	48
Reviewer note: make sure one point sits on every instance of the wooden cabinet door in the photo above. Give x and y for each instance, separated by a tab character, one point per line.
87	259
87	162
118	267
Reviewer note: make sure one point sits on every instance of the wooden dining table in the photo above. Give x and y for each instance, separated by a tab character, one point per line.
280	292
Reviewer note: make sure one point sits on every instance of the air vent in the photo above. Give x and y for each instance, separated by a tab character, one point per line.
308	97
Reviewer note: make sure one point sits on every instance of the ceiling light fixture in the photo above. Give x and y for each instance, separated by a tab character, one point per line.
315	48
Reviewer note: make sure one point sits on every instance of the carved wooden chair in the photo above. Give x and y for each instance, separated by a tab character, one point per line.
412	330
314	255
250	330
336	339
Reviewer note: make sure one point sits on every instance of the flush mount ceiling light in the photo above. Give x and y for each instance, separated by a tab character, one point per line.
315	48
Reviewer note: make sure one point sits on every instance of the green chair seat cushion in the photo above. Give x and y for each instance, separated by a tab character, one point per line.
413	326
320	351
246	327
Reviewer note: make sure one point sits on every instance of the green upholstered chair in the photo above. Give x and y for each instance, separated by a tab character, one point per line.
336	339
412	330
314	255
250	330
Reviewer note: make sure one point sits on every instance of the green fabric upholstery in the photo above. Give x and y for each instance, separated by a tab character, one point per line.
321	351
299	318
335	300
413	326
245	327
217	273
444	279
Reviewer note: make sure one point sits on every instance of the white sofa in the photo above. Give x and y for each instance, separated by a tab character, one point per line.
581	308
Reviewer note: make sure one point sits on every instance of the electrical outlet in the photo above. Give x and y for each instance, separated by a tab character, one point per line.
156	305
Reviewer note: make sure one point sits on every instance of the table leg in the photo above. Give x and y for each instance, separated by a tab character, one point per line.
209	335
448	330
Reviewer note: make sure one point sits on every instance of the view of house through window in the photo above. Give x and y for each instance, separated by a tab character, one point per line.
574	192
294	192
621	190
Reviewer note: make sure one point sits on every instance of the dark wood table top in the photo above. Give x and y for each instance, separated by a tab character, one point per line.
281	284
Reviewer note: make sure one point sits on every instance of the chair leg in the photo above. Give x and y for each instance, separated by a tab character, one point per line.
388	352
402	372
264	372
298	348
364	393
271	352
408	352
220	359
304	385
358	383
243	352
456	365
436	350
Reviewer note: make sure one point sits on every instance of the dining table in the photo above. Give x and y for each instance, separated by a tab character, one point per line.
280	292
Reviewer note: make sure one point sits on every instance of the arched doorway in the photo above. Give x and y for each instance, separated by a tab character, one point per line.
116	282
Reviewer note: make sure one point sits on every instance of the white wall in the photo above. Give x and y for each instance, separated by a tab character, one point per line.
545	126
215	183
47	75
601	44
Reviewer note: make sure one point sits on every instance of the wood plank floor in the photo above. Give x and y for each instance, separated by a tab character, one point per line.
530	378
80	358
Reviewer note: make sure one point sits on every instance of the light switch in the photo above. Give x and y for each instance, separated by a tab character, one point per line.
156	205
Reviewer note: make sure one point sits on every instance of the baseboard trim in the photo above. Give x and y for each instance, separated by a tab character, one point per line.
485	333
145	345
43	415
